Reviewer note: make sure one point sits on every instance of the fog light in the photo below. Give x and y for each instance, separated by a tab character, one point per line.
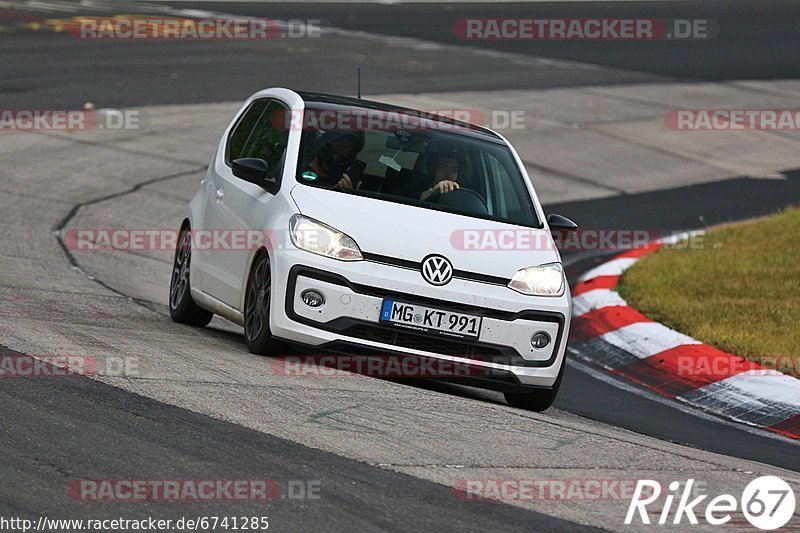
540	340
312	298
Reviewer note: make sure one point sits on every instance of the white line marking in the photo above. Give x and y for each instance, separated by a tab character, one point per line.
615	267
644	339
626	386
425	45
595	299
765	385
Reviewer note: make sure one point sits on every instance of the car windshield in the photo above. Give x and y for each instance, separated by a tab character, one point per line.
413	160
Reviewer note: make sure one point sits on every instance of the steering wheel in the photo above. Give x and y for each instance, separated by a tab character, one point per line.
464	198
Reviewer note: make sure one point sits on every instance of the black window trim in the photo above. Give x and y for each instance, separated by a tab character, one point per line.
538	223
268	100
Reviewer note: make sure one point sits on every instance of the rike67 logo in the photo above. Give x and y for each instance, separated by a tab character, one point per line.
768	502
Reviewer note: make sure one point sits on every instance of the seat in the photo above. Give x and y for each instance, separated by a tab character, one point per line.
403	182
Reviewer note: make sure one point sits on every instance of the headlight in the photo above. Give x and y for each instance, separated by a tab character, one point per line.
542	280
318	238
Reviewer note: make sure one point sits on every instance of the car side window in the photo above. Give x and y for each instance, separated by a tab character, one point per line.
262	133
507	196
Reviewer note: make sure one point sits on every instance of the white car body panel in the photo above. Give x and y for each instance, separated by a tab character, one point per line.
412	233
389	229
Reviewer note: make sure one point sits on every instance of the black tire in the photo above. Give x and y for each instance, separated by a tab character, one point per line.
257	298
536	399
182	307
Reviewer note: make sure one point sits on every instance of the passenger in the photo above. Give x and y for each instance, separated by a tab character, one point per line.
337	154
445	174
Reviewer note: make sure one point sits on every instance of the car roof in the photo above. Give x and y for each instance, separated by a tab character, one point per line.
360	103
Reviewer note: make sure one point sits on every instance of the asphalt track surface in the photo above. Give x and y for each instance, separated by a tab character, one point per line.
749	43
700	206
67	421
144	439
49	69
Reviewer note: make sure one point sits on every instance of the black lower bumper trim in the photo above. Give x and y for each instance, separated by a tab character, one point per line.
375	332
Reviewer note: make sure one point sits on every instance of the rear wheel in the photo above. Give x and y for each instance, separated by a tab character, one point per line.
257	335
182	308
536	399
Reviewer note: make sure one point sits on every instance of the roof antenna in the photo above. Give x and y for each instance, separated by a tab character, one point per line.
359	83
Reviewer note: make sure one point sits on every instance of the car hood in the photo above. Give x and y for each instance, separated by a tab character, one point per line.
411	233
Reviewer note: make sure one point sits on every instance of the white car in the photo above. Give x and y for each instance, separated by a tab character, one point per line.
385	231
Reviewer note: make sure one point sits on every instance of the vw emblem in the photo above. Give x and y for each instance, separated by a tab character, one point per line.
437	270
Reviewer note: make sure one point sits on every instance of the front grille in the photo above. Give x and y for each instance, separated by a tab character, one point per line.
415	265
440	345
370	331
428	302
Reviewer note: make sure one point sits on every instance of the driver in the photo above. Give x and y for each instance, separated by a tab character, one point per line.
445	174
338	152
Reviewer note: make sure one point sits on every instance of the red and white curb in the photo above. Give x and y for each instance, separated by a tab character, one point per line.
608	332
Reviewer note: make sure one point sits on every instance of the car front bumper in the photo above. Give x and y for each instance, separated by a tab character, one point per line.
354	292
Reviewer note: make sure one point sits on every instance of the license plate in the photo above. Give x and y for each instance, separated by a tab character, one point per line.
429	320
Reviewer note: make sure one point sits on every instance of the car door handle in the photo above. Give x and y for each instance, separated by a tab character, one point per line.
220	194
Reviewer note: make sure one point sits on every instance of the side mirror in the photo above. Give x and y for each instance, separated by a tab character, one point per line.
560	223
254	170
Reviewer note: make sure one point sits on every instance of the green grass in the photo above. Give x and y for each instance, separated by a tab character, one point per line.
739	292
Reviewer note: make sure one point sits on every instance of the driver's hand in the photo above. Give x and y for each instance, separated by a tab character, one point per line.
445	186
442	187
345	182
